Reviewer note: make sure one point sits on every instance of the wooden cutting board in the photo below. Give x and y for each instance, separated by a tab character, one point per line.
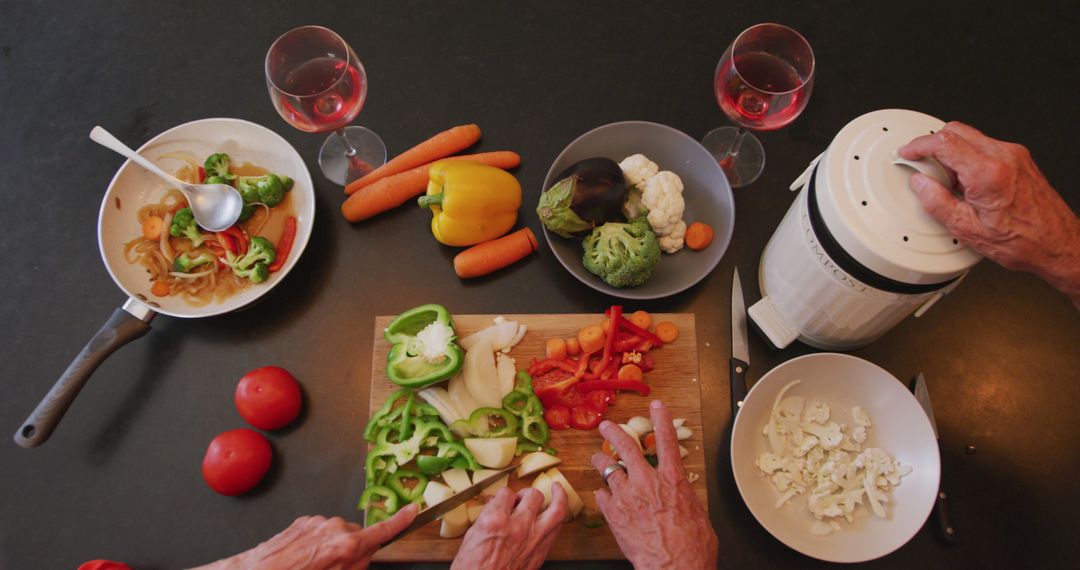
675	380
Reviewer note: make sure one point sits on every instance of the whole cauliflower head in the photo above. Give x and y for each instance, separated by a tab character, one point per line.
637	168
662	196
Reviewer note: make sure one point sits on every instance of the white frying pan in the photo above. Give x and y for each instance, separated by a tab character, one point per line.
130	189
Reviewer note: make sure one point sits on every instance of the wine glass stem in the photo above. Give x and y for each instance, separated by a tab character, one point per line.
736	142
350	151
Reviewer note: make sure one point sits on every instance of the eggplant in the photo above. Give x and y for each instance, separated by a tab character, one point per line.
588	194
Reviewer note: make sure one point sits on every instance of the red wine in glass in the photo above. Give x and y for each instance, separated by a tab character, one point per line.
762	82
317	84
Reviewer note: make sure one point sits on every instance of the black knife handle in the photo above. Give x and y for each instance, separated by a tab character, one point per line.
738	384
946	530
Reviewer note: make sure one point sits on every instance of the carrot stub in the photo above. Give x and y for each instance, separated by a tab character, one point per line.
393	191
556	348
591	339
489	256
698	236
667	331
573	347
439	146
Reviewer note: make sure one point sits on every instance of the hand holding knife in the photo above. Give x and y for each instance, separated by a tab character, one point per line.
739	363
946	531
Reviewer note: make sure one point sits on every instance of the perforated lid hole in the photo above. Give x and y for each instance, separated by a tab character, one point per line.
955	241
886	129
905	238
856	157
864	202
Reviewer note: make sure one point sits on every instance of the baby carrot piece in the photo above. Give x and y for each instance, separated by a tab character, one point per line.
439	146
393	191
556	348
591	339
630	372
667	331
491	255
151	228
160	288
698	236
641	319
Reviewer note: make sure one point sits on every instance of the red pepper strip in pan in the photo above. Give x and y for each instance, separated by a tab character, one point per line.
626	324
285	245
615	314
632	385
202	175
241	238
226	241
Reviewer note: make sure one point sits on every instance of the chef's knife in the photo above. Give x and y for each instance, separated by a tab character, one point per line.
941	509
459	498
740	352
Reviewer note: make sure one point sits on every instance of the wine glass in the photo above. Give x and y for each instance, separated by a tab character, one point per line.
318	85
762	82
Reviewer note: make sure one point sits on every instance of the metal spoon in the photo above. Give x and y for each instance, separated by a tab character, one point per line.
216	206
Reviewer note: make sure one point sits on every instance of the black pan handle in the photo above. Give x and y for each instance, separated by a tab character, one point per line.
121	328
738	384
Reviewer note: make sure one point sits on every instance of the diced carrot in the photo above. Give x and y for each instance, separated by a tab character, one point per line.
667	331
650	443
607	449
591	338
641	319
699	235
556	348
630	372
160	288
151	228
573	347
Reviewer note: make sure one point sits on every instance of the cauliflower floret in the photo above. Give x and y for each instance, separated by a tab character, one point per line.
860	416
674	241
637	168
807	444
770	462
662	196
831	435
858	435
817	412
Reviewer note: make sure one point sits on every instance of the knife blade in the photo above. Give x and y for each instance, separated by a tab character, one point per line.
430	514
739	363
946	531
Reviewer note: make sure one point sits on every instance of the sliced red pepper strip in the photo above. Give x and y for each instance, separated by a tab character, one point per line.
202	175
539	367
583	365
242	241
226	241
631	385
626	324
615	313
285	245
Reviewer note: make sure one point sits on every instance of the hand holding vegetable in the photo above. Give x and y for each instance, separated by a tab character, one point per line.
1007	211
512	531
653	513
317	543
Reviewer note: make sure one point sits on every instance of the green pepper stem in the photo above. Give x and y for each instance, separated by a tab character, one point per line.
430	200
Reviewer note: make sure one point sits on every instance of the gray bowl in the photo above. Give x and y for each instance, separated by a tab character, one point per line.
707	193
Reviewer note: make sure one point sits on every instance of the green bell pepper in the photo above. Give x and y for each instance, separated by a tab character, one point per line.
422	349
375	515
433	464
457	451
413	495
535	429
379	494
378	419
523	382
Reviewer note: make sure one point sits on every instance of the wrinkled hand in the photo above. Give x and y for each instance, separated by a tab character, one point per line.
1008	211
512	537
318	543
655	515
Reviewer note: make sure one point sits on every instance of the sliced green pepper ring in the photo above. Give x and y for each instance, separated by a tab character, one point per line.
398	482
427	428
505	422
516	401
535	429
457	450
380	497
378	419
375	516
433	464
527	447
425	410
406	364
406	417
523	382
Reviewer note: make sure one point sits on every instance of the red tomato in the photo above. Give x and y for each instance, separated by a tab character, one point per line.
585	416
236	461
103	565
557	417
600	399
268	398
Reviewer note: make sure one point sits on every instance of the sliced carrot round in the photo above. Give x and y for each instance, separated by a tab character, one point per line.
667	331
631	372
556	348
160	288
573	347
641	319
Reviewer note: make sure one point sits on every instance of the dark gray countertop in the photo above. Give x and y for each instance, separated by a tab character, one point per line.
120	477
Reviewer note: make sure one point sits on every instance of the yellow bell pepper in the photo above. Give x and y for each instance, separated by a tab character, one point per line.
470	203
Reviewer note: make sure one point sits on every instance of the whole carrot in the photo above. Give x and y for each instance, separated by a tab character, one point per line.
393	191
439	146
492	255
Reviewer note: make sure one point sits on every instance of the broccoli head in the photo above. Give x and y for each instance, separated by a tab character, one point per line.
216	180
253	265
246	212
183	225
217	165
185	262
268	189
623	255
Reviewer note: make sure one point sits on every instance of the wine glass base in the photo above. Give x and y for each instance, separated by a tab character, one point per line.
743	168
342	169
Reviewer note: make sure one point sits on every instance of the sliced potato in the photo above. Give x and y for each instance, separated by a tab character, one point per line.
474	508
574	502
495	452
542	483
493	488
457	479
535	462
436	493
455	522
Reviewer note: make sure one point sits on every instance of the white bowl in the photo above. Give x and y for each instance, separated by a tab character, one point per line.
900	427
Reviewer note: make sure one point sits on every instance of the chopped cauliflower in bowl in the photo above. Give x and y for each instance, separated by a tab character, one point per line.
835	458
